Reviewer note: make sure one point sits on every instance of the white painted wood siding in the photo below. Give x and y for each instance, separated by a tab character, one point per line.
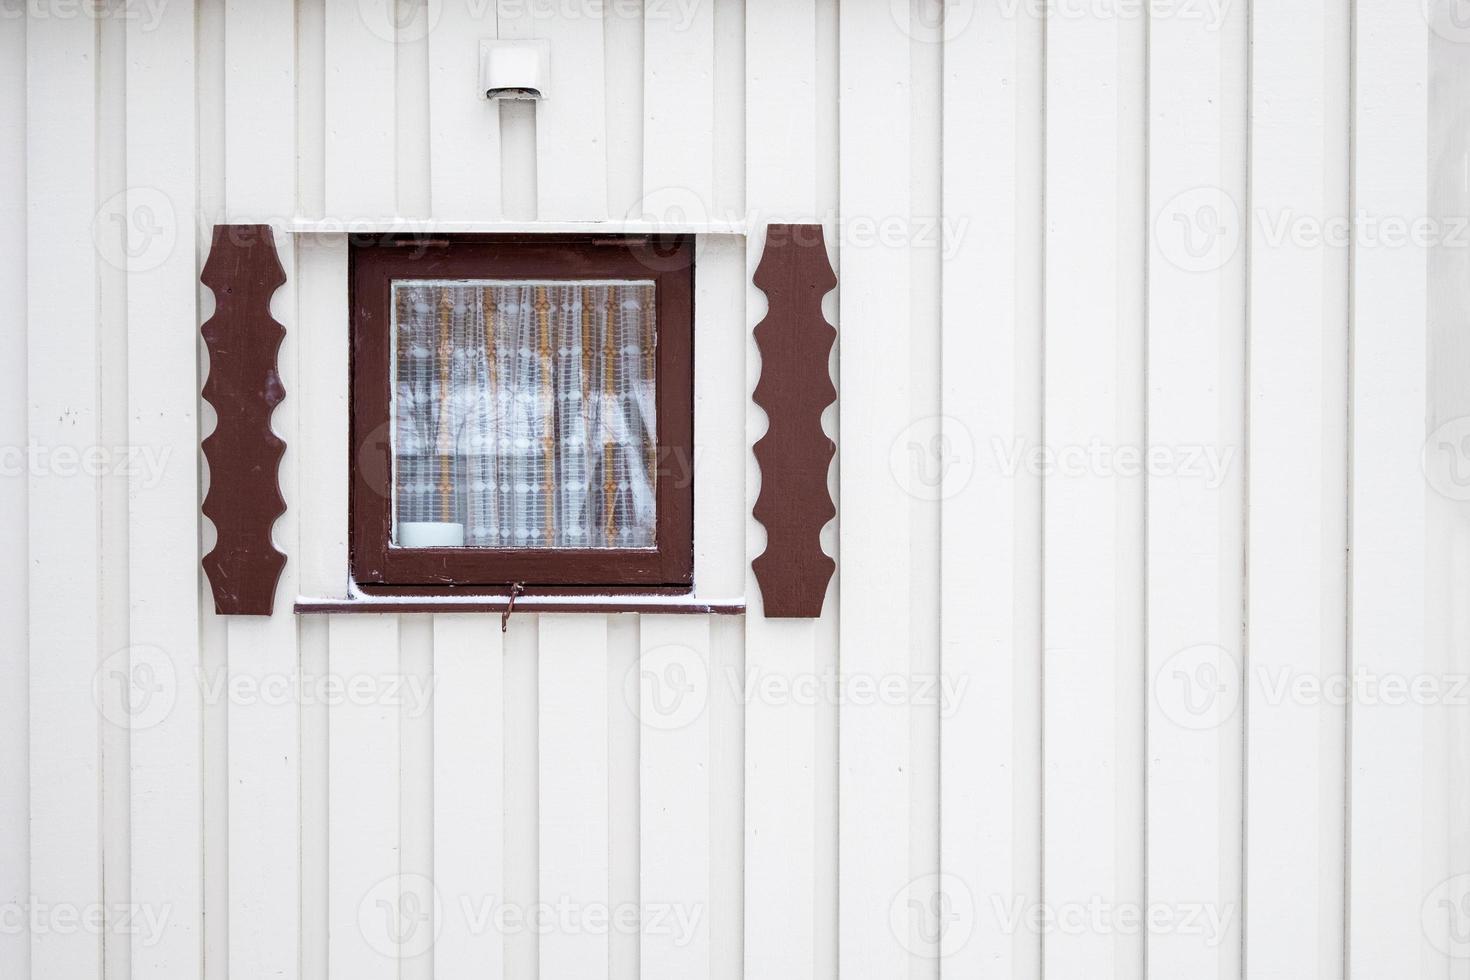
1147	651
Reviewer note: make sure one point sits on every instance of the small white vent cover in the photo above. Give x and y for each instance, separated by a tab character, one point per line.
514	69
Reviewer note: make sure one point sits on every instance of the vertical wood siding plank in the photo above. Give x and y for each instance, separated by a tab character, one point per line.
990	549
412	123
361	174
469	797
416	782
625	857
925	333
1296	599
375	914
311	101
571	137
464	128
1094	665
781	831
622	83
1398	808
62	383
780	799
14	561
114	418
874	734
264	757
260	111
1448	569
315	639
165	757
1196	362
264	794
521	750
678	111
574	789
727	791
673	681
729	109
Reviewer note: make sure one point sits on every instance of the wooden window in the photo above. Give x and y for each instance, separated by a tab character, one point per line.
523	413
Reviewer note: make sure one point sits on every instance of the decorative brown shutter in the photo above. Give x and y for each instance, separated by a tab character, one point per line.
795	387
244	386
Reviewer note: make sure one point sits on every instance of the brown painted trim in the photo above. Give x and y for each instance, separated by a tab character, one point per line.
244	386
524	604
795	387
443	591
669	263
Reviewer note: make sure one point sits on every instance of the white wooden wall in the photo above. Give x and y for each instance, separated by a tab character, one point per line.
1063	717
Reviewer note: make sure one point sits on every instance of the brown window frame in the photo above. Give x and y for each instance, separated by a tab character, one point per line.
373	266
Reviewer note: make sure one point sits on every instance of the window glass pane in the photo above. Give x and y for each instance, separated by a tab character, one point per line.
524	414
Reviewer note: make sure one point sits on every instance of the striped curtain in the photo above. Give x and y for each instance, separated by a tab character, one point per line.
525	411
